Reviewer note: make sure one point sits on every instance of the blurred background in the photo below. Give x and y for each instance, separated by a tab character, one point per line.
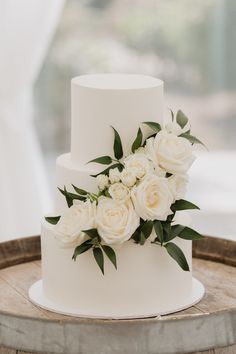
191	48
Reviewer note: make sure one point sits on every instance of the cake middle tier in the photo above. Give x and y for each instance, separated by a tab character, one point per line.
100	101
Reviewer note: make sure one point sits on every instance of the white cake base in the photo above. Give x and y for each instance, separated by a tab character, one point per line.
36	295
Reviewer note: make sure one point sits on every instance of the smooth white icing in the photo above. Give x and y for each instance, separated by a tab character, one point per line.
104	100
147	280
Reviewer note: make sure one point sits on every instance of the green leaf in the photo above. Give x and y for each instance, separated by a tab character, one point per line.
70	196
136	235
99	258
192	139
110	253
174	232
177	229
52	219
106	171
159	230
189	234
177	254
104	160
181	119
92	233
138	141
117	147
81	249
170	217
146	228
172	115
166	230
182	204
142	238
154	126
79	190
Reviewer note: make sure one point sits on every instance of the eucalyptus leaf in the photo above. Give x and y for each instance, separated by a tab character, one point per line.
106	171
99	258
52	219
146	228
79	190
182	204
177	254
189	234
81	249
110	253
158	230
104	160
92	233
154	126
181	119
138	141
117	146
192	139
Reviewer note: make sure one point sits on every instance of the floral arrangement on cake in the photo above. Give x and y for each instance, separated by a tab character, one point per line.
138	196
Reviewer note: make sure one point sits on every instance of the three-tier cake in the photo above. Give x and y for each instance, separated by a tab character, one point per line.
147	281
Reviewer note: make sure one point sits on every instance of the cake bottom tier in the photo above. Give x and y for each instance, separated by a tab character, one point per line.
147	282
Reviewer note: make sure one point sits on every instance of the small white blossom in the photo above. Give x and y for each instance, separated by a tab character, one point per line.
102	182
114	175
139	164
119	192
128	177
175	128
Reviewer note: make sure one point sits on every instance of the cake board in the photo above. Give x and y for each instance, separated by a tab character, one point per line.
37	297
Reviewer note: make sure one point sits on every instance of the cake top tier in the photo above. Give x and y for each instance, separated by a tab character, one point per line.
100	101
117	81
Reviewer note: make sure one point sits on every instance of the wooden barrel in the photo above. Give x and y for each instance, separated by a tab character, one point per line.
209	326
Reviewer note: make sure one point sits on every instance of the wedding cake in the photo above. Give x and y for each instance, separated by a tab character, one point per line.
118	247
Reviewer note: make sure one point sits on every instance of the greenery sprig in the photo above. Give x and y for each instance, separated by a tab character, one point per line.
99	250
163	232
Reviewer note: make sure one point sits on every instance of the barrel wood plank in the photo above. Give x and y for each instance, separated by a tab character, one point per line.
208	327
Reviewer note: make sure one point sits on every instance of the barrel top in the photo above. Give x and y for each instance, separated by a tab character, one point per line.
214	264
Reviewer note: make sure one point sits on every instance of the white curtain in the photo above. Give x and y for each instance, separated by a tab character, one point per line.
26	29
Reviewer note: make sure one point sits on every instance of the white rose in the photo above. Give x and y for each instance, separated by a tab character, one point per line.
80	216
114	175
128	177
178	185
119	192
173	153
175	128
152	198
139	164
116	222
102	182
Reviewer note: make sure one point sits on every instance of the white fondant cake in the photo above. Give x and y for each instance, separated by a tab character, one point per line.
148	281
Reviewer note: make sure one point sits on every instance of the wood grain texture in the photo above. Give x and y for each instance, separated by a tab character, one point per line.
19	251
216	249
207	325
